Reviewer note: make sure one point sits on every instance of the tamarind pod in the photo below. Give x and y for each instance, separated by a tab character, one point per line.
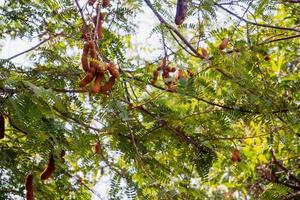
99	29
168	68
62	154
165	74
96	87
91	2
181	11
113	70
163	63
236	155
190	73
98	24
84	59
173	69
153	81
93	51
29	187
155	77
180	74
49	169
97	148
159	68
2	127
105	3
267	58
86	80
204	53
108	85
223	44
155	74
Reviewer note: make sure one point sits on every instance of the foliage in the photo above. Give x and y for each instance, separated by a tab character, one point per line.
156	141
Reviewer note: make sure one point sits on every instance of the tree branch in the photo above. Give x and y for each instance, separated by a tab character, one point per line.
256	24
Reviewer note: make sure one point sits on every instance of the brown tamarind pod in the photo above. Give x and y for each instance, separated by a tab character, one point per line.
86	80
165	74
2	127
223	44
168	68
84	57
173	69
267	58
155	77
236	155
159	68
155	74
93	51
113	70
108	85
204	53
29	187
96	87
97	148
49	169
190	73
105	3
180	74
91	2
98	24
62	154
181	11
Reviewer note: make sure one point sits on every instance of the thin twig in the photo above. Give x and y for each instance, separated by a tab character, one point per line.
256	24
34	47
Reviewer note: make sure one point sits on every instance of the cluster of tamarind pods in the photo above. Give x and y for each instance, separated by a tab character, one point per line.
170	82
94	67
49	170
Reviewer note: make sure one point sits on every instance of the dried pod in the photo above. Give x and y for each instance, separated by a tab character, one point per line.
86	80
29	187
190	73
165	74
97	148
173	69
91	2
155	73
267	58
153	81
180	74
204	53
99	25
108	85
84	57
2	127
93	50
168	68
181	11
62	154
155	77
96	87
159	68
113	70
236	155
49	169
105	3
223	44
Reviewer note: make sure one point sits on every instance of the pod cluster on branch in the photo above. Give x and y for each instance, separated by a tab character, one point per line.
170	75
94	67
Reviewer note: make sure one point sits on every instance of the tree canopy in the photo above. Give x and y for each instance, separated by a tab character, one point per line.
208	111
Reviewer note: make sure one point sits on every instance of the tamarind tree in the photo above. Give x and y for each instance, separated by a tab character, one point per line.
205	106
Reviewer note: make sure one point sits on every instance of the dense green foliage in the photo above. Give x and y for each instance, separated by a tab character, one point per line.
156	143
